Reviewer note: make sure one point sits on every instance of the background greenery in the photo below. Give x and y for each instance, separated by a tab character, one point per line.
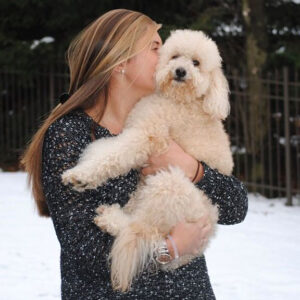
274	24
256	38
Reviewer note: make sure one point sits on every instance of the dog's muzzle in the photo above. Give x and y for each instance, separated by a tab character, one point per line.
180	74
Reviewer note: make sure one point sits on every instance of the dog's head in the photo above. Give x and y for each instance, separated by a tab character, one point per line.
189	69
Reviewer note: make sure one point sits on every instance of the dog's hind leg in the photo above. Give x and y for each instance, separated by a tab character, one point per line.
111	218
131	252
169	197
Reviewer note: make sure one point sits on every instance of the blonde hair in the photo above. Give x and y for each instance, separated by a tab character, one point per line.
91	56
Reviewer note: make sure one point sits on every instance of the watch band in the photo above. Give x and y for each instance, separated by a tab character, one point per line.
174	246
162	254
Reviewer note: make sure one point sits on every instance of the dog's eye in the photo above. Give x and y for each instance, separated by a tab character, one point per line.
196	62
175	56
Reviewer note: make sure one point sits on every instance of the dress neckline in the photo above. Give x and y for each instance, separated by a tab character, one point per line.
97	126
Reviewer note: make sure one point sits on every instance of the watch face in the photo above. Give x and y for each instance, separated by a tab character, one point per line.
164	258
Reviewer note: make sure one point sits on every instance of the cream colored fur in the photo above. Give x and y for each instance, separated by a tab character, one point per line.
190	112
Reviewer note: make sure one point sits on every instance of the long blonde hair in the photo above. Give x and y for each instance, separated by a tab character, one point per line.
91	56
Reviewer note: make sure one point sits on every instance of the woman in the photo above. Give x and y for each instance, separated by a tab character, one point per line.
112	64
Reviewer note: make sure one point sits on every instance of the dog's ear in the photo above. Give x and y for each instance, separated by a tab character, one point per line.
216	102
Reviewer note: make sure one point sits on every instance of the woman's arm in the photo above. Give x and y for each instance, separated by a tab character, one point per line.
72	212
227	192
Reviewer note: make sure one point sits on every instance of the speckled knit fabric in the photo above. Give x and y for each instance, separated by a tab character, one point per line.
85	273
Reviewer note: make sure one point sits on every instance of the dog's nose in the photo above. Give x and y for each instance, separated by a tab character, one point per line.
180	72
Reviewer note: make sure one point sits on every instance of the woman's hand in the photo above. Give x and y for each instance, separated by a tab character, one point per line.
189	237
175	156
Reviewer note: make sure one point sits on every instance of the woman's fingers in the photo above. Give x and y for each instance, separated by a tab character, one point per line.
206	230
190	237
203	221
147	171
145	165
203	242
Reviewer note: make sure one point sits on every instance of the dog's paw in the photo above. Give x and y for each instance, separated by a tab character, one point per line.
100	209
105	219
79	179
99	220
108	211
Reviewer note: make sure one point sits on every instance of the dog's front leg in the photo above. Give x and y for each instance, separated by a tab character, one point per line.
108	158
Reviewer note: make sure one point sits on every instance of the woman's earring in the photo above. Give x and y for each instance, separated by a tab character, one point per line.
123	71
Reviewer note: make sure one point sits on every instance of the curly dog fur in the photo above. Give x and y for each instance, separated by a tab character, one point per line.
189	105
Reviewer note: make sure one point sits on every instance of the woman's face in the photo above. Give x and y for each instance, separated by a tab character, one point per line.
141	68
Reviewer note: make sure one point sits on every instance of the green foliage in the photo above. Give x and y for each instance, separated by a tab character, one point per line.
23	21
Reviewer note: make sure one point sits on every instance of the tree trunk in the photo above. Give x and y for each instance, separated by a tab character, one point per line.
255	49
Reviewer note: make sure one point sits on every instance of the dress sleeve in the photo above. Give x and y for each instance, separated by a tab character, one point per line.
73	212
227	192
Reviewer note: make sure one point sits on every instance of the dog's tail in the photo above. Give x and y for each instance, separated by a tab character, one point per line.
131	252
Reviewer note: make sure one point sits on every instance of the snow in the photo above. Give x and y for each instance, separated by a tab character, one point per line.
280	50
238	150
257	259
229	29
45	40
29	265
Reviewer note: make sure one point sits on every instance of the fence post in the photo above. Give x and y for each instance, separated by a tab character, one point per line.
51	87
287	138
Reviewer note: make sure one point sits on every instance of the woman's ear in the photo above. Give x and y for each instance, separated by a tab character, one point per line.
216	102
120	68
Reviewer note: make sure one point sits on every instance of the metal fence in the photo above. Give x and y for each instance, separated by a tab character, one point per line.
28	97
26	100
274	170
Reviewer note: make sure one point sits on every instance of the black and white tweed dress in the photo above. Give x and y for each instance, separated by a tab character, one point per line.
85	274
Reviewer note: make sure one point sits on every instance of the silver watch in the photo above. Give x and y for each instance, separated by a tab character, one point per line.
162	253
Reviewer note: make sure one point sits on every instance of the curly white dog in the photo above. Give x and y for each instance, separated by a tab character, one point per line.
190	103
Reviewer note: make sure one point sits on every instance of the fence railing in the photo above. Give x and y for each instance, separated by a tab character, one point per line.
273	170
26	100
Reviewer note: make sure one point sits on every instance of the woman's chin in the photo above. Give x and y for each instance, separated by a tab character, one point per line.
148	91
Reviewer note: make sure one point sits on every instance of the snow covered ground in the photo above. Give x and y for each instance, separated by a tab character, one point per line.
258	259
